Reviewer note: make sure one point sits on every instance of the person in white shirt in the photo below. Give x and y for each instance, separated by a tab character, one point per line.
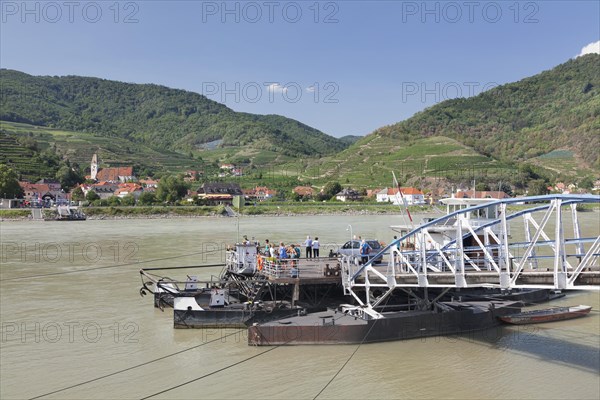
315	247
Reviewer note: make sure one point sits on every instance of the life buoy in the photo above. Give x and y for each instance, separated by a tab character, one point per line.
259	262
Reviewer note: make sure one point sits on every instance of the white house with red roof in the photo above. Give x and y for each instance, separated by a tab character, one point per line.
149	183
129	188
264	193
237	172
411	195
259	193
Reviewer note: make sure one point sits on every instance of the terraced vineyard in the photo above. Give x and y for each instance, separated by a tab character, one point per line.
374	160
22	160
79	147
563	161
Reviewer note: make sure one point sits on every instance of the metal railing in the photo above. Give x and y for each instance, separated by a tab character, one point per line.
298	267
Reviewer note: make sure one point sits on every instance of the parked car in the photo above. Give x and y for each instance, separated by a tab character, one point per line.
352	248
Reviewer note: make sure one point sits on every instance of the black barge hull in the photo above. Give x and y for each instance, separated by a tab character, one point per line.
228	318
338	328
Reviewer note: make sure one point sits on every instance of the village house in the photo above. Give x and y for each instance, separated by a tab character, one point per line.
264	193
249	194
559	187
562	188
303	191
43	191
259	193
411	196
33	191
129	188
230	169
104	190
192	176
348	194
219	192
53	185
474	194
373	192
148	183
237	172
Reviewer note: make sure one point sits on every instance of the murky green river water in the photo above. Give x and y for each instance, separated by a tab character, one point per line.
74	326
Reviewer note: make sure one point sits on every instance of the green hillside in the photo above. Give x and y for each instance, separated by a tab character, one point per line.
150	115
78	148
423	162
544	128
550	122
557	109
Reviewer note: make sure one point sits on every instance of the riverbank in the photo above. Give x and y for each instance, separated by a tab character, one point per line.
276	210
270	210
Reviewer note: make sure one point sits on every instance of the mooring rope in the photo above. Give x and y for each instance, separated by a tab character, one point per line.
106	266
351	355
211	373
135	366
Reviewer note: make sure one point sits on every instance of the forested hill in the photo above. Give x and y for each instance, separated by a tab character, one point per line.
153	115
557	109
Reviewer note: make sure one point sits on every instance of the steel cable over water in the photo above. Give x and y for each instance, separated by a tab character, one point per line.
211	373
115	266
351	355
134	367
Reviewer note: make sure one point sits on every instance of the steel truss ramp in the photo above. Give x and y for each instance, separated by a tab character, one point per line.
542	254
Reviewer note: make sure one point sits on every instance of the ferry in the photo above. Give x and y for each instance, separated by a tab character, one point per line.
465	252
66	213
469	278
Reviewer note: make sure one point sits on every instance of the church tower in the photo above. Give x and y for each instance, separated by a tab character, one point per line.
94	167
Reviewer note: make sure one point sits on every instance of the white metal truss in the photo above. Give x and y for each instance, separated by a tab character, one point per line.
490	259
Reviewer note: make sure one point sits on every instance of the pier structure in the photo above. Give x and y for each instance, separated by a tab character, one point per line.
313	281
548	253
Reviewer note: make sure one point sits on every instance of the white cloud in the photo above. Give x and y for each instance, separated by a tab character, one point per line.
592	48
277	88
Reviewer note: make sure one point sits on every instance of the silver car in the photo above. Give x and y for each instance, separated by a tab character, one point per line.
352	248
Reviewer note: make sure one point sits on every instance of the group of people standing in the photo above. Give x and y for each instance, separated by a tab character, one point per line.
292	251
312	247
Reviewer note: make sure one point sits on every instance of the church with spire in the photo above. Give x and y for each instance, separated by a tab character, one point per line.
112	174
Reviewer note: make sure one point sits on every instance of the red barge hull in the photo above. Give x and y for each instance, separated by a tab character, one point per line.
547	315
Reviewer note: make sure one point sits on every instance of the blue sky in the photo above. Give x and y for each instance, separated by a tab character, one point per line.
344	67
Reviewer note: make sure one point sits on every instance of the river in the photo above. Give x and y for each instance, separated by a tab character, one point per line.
75	326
